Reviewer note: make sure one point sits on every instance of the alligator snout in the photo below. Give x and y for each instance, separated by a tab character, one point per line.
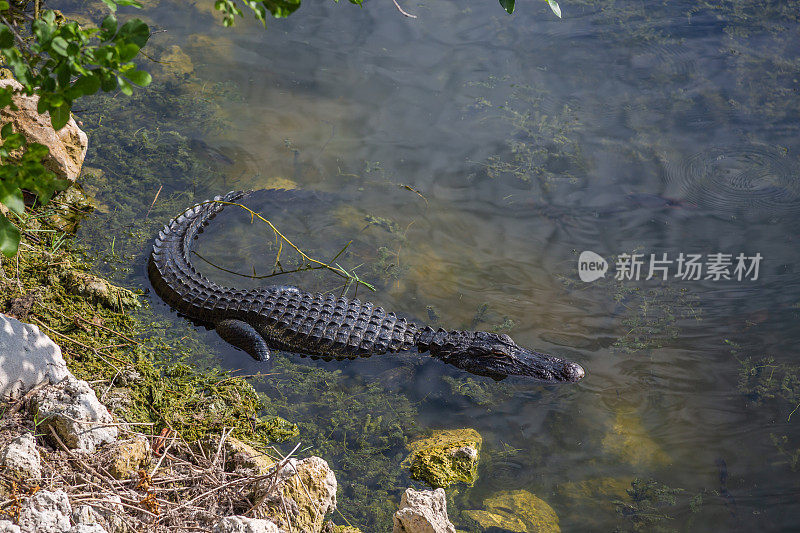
572	371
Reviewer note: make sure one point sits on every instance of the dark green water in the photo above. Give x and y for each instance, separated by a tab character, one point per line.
627	127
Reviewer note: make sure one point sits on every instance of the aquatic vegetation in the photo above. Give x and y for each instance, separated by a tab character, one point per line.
148	175
648	504
765	379
517	510
651	316
445	458
542	147
792	456
478	392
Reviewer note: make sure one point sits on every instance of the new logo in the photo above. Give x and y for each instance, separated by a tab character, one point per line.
591	266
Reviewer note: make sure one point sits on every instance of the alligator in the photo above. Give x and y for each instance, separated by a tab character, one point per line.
287	318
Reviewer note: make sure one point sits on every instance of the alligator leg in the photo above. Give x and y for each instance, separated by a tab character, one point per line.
243	336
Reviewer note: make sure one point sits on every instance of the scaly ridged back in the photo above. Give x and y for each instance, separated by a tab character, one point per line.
286	316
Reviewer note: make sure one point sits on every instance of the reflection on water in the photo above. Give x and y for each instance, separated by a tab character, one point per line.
471	157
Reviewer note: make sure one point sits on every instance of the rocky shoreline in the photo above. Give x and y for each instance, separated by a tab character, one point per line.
69	466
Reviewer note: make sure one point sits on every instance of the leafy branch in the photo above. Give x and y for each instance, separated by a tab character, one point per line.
59	62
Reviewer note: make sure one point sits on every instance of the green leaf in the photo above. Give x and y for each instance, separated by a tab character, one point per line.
125	87
7	130
136	31
111	5
508	5
59	46
9	237
108	82
87	84
555	7
6	37
140	77
282	8
63	75
127	51
59	116
14	142
37	152
11	197
109	27
6	98
3	5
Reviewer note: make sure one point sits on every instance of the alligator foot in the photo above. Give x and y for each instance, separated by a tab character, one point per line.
245	337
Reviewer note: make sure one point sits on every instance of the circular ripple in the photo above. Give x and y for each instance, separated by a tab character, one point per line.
737	180
504	471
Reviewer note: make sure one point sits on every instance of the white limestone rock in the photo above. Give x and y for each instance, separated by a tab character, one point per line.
242	524
72	409
21	459
46	512
423	511
27	358
106	511
87	528
8	527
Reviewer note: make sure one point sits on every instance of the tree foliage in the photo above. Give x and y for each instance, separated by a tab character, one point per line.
60	62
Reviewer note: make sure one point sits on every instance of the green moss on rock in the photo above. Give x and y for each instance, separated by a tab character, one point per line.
518	511
277	429
96	290
448	457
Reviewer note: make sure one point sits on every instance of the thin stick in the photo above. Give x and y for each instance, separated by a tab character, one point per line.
339	271
94	350
117	333
400	9
16	407
154	202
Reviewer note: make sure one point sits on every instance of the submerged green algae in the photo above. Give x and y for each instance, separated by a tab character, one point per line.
518	511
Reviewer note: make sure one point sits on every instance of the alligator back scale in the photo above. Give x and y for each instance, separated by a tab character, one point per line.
287	318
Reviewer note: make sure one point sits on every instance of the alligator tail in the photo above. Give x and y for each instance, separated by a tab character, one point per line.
173	276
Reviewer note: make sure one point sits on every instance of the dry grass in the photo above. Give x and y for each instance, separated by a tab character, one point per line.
187	487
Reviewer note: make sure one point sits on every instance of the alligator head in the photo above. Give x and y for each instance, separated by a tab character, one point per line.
496	355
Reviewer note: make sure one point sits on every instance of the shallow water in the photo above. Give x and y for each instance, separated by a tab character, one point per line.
483	153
